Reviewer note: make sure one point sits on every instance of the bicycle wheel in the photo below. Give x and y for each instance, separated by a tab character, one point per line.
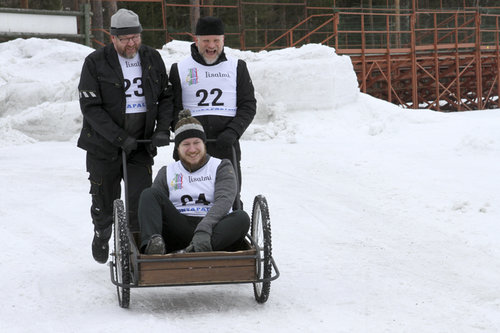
261	234
121	259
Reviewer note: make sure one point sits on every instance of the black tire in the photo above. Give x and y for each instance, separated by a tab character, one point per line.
122	253
261	234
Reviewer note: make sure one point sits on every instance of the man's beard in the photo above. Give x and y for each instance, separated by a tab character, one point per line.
210	62
195	166
130	55
213	61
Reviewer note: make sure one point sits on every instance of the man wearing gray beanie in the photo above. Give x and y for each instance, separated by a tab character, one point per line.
217	89
124	97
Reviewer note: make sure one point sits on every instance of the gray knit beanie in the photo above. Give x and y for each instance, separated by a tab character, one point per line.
188	127
125	22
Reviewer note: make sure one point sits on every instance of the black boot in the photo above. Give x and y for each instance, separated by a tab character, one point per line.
100	247
156	245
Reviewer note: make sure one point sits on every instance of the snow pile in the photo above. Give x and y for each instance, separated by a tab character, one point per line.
38	90
41	104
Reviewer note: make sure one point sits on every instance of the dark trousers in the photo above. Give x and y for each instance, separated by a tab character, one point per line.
157	215
105	186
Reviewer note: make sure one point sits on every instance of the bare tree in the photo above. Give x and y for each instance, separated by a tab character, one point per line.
110	7
195	14
96	7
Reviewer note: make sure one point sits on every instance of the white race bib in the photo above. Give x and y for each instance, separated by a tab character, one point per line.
192	193
134	90
209	90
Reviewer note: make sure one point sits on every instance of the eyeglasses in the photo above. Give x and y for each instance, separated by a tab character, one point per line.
124	40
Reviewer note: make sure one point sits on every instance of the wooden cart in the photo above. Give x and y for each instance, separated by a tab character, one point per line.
252	264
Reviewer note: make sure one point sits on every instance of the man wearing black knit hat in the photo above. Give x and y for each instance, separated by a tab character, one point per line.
189	205
217	89
124	97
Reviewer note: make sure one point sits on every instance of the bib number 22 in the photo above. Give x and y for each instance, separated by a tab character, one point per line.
216	92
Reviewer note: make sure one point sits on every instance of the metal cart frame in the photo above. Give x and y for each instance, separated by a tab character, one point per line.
252	264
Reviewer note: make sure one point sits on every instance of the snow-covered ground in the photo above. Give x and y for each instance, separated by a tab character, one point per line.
383	219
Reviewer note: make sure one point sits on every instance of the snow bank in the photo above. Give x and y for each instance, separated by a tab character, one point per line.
39	87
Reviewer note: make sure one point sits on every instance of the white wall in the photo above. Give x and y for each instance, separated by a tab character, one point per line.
31	23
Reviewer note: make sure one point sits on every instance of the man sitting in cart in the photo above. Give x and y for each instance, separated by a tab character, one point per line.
189	205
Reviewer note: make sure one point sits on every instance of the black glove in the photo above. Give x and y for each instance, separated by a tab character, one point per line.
129	145
160	139
226	139
201	242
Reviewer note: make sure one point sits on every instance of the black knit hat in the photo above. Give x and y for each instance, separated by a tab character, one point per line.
209	25
188	127
125	22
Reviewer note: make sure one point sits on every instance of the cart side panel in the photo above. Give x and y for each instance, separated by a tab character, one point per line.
201	268
197	275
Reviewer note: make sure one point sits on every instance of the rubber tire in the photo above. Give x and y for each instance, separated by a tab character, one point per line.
122	253
261	234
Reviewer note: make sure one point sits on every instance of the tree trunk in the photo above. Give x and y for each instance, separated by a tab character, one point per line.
110	7
97	20
195	14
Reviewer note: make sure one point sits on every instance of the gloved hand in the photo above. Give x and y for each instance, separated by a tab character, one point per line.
226	139
201	242
160	139
129	145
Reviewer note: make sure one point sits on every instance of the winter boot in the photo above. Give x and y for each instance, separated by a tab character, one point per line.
100	247
156	245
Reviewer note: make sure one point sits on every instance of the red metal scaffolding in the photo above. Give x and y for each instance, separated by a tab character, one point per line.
447	60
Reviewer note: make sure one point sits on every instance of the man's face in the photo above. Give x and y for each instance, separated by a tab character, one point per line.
127	45
192	152
210	47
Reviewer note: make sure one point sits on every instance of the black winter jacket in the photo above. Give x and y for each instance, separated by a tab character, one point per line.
245	100
103	103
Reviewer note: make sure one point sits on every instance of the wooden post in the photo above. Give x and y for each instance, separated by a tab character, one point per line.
458	94
437	105
363	51
479	67
388	58
497	45
414	88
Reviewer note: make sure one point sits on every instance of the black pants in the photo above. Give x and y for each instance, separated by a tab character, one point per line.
157	215
105	186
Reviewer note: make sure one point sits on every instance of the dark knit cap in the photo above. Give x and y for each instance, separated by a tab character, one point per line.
209	25
188	127
125	22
